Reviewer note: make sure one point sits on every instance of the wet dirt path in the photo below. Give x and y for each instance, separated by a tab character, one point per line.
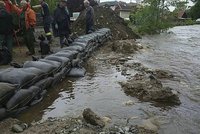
176	51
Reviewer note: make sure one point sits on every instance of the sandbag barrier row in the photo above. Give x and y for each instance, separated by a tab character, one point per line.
26	86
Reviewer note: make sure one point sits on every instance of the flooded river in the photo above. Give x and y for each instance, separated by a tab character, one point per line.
177	50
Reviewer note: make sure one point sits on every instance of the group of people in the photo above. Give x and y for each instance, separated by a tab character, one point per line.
27	22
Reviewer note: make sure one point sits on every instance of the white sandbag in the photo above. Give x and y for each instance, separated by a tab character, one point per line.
65	71
76	48
77	72
57	78
54	63
20	99
39	75
82	44
66	54
44	66
63	60
45	83
34	90
6	92
16	76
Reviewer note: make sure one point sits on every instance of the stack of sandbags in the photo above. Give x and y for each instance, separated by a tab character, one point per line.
23	87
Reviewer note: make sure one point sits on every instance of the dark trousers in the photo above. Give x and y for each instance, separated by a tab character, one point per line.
63	39
29	40
47	30
8	39
89	27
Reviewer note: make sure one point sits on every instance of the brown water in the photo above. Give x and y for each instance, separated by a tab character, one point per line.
176	51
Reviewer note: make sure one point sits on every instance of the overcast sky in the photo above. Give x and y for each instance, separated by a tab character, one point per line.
171	8
118	0
190	3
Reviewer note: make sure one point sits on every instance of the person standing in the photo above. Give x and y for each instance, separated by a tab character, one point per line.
27	23
47	20
7	6
61	22
6	28
89	17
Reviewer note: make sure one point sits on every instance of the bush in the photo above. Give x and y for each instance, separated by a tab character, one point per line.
149	20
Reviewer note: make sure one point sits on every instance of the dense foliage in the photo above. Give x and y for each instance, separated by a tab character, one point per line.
194	12
152	17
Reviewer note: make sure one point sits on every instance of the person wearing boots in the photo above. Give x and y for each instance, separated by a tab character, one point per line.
47	20
6	28
61	22
89	17
27	23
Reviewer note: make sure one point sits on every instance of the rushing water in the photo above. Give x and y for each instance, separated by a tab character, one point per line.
178	51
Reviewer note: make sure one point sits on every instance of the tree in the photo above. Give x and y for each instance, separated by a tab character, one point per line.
180	4
194	11
151	18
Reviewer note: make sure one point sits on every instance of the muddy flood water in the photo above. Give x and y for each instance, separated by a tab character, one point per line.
177	50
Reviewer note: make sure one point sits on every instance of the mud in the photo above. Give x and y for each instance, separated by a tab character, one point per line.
68	125
125	46
105	17
149	88
92	118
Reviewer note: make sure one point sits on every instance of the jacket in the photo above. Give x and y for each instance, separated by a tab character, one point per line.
90	16
30	16
47	19
6	25
61	18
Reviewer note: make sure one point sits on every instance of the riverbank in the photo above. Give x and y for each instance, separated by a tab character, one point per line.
115	55
171	57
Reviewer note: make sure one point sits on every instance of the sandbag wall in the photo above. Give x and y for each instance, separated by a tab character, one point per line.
26	86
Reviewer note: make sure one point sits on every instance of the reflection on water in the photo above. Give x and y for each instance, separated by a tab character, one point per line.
177	51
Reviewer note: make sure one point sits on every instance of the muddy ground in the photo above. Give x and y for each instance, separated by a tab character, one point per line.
69	126
158	90
144	84
106	17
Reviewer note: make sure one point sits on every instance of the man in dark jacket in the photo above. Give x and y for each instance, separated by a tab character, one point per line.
6	28
89	17
47	20
61	22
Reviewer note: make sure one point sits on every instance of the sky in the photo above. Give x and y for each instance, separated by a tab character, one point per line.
190	3
118	0
171	8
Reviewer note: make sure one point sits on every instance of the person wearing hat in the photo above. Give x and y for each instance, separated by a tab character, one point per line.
89	17
47	20
61	22
27	23
6	27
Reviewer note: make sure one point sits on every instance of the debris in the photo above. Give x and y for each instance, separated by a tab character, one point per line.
125	46
17	128
106	120
129	103
149	88
92	118
148	124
